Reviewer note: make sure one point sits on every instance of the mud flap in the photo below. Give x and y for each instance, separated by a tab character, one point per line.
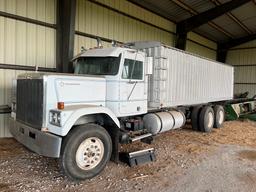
114	134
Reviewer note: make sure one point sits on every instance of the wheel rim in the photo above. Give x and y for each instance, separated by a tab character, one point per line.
221	117
89	153
210	119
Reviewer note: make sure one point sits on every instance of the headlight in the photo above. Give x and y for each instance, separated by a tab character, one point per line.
55	118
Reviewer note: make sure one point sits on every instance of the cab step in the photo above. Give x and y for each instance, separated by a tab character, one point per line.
140	137
138	157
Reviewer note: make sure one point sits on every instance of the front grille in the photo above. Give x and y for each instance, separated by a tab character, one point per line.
30	102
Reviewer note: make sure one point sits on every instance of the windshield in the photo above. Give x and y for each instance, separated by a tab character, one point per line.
97	65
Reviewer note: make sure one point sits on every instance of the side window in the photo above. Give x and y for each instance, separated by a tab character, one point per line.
132	69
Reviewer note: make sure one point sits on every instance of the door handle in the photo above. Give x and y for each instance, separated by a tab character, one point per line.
131	82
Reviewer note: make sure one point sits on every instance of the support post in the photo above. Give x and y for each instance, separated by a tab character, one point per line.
181	41
66	12
221	54
224	47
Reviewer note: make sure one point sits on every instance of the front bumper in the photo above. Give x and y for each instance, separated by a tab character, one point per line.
43	143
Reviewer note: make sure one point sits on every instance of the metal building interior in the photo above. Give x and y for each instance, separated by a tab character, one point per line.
40	33
48	33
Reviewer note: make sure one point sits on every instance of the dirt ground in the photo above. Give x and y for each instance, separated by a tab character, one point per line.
224	160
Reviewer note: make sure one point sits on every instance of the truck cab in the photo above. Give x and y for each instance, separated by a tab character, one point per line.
125	75
76	117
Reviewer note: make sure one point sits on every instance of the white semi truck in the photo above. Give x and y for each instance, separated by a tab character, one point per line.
142	87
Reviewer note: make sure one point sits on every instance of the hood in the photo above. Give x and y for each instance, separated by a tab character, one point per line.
37	75
77	89
70	89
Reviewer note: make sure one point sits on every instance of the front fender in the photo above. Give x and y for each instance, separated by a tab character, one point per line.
78	111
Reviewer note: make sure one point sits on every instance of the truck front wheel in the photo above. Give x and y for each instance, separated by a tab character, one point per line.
86	151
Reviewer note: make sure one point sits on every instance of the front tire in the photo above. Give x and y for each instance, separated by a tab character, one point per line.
86	151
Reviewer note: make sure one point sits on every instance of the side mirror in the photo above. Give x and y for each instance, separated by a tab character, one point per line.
149	65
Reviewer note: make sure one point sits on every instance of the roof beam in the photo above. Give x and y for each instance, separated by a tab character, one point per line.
204	17
233	17
224	47
194	12
182	32
238	41
66	11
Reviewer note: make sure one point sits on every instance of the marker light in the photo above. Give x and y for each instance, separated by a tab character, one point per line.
60	105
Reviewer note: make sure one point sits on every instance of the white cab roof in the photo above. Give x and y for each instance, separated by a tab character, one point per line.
103	52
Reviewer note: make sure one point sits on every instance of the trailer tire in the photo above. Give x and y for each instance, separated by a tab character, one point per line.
206	119
195	117
219	114
86	151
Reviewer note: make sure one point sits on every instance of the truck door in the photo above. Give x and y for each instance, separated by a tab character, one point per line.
133	87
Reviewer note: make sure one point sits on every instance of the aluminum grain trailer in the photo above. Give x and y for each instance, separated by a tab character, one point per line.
188	82
183	78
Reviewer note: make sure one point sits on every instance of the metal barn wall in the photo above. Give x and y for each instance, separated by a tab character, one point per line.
23	43
243	57
201	46
121	21
6	80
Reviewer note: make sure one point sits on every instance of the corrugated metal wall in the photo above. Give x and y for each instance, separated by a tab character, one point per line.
243	57
23	43
123	21
201	46
111	19
6	79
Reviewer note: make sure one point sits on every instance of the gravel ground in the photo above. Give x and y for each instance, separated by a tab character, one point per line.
223	160
231	168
